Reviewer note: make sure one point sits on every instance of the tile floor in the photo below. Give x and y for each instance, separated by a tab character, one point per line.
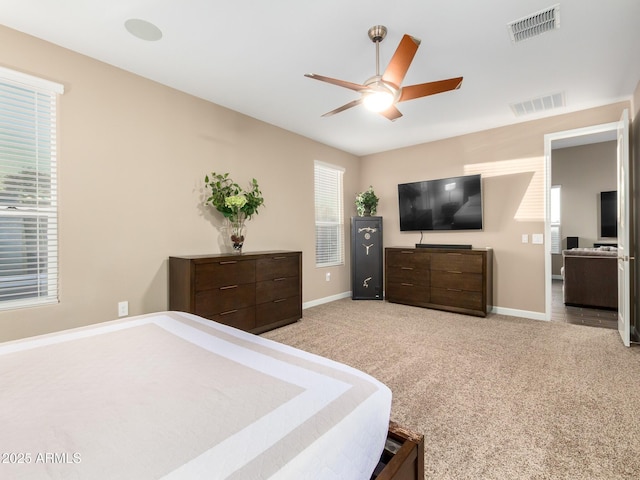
592	317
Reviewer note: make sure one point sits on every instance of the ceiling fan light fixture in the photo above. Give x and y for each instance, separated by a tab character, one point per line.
378	100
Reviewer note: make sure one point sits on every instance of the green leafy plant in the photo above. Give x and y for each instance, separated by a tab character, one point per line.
229	199
367	202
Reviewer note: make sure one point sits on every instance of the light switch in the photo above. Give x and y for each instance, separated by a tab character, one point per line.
537	238
525	238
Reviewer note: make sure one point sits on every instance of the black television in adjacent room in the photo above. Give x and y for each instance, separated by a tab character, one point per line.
609	214
453	203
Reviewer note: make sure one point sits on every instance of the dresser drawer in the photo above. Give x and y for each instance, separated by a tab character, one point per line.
281	309
407	274
457	262
283	287
457	298
405	292
243	318
224	299
223	273
457	280
408	258
277	266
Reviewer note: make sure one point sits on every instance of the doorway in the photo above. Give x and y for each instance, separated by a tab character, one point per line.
560	140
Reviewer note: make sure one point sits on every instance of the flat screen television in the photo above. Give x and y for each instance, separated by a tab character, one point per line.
609	214
453	203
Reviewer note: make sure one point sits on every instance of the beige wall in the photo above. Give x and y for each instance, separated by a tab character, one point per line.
132	159
583	172
133	155
511	160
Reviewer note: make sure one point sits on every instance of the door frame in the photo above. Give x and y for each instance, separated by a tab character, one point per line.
625	229
579	136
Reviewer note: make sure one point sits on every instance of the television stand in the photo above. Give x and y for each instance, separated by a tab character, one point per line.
605	244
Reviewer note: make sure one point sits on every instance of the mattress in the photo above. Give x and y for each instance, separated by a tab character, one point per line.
174	396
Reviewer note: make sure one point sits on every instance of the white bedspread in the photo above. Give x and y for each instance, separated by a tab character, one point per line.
174	396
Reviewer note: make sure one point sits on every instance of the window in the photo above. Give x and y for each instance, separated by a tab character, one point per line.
329	215
28	191
556	238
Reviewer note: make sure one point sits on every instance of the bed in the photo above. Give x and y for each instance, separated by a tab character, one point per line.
174	396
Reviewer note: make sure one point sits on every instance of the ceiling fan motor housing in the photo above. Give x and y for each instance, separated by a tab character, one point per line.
377	33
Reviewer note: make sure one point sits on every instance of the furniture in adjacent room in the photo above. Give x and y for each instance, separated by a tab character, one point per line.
255	291
572	242
590	277
456	280
366	258
602	244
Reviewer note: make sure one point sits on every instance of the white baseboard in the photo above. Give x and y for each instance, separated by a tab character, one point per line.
499	310
519	313
320	301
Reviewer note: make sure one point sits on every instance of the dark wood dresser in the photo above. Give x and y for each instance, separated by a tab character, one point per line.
457	280
254	291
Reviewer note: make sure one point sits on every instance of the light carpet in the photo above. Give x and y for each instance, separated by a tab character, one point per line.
497	397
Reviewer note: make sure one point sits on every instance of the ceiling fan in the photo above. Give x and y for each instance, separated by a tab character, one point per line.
381	93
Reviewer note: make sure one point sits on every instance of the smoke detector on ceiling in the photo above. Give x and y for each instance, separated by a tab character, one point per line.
535	24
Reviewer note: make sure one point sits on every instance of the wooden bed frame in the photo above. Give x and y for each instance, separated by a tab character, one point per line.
403	456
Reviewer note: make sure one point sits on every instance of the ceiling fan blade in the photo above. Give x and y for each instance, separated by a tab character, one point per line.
334	81
343	107
392	113
431	88
401	60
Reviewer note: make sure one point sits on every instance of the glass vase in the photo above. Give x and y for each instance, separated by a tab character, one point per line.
237	233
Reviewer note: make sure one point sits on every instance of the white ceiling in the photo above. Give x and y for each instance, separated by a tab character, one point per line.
251	55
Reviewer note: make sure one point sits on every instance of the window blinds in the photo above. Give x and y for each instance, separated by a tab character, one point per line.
28	191
329	215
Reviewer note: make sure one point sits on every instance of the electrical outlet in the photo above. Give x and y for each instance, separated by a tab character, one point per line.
123	309
327	276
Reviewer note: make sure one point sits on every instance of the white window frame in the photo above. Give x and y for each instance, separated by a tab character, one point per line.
556	219
329	214
28	190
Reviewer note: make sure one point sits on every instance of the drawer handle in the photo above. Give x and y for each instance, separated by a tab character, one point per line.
228	262
279	258
228	313
279	279
280	300
228	287
407	252
406	268
407	284
458	254
453	271
453	290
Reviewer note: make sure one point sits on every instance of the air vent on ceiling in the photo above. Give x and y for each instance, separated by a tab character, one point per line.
539	104
535	24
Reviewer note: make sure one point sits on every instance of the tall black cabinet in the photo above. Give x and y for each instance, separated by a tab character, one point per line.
366	258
